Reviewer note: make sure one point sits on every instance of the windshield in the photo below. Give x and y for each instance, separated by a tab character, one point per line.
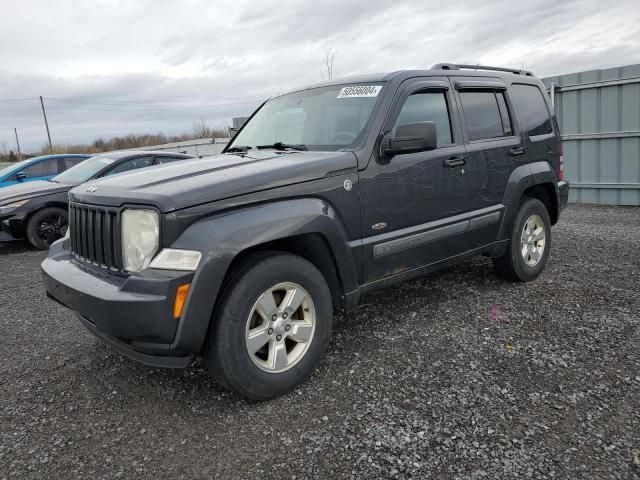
83	171
327	118
13	167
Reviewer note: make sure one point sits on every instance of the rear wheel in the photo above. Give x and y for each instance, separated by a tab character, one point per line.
46	226
529	246
272	326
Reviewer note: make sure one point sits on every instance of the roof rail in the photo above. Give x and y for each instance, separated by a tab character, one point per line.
455	66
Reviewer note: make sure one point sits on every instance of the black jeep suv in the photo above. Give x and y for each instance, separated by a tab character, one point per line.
325	194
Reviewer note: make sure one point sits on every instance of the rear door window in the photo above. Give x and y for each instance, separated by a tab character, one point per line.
69	162
532	109
163	159
486	115
132	164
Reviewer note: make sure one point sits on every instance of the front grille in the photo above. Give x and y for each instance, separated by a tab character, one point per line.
95	235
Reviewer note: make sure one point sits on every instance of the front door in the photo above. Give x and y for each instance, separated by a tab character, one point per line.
414	205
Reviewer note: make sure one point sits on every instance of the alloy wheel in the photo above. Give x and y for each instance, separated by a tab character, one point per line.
280	327
51	228
532	240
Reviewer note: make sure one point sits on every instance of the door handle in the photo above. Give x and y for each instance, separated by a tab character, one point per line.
516	151
455	161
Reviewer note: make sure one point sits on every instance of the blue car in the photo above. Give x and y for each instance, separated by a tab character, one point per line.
39	168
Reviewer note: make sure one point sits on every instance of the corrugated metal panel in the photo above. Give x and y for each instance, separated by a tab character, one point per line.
599	116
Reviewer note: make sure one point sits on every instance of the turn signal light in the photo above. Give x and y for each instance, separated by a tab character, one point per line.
181	298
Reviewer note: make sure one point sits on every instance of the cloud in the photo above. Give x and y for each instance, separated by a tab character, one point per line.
115	66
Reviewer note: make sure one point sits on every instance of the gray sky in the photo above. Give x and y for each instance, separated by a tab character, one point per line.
115	66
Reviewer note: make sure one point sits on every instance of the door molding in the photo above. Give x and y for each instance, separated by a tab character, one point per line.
392	242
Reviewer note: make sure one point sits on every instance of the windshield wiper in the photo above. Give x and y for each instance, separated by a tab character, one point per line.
239	148
283	146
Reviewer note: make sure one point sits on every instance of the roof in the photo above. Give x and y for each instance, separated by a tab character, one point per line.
61	155
437	71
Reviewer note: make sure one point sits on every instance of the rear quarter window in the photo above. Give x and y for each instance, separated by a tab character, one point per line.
532	109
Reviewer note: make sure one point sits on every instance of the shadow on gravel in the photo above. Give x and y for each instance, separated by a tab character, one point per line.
377	311
16	247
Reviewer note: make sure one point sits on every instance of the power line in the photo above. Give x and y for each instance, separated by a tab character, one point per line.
152	102
87	106
24	99
135	106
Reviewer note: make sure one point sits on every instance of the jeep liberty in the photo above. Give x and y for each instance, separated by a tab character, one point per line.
326	193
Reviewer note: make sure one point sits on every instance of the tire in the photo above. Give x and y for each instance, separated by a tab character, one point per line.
513	265
46	226
295	342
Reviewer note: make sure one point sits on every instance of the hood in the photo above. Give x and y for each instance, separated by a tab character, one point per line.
178	185
22	191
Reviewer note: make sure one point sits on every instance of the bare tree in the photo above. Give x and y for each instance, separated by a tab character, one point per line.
201	130
329	62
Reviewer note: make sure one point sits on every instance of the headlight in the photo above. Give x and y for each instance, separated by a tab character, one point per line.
140	238
11	206
171	259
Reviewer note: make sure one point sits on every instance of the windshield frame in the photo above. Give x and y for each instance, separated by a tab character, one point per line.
358	143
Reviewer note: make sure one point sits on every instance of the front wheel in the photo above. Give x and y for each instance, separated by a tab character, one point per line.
529	246
46	226
272	326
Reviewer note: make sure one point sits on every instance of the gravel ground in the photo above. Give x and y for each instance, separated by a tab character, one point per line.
458	375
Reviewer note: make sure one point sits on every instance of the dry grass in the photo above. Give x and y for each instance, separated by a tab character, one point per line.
199	130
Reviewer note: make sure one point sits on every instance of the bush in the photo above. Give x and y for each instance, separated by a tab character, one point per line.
199	130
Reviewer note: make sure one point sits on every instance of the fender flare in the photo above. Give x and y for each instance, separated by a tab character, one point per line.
222	237
521	178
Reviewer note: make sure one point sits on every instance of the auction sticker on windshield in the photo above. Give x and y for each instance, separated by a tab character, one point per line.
360	91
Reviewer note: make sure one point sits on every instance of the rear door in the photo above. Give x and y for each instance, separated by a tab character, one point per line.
494	146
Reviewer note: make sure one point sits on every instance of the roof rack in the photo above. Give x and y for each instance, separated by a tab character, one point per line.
455	66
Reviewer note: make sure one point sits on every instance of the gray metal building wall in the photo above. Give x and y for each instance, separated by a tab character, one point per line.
200	147
599	116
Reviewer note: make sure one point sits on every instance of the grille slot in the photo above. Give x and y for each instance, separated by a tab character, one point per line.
95	235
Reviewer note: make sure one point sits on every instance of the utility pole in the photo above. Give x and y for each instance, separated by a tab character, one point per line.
44	114
18	143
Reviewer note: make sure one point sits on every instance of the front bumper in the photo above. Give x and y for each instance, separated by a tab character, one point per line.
563	195
11	227
133	314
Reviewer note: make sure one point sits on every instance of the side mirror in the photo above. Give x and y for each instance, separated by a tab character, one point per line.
20	176
411	138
